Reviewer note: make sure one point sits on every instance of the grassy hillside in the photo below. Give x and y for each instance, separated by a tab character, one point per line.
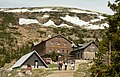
16	40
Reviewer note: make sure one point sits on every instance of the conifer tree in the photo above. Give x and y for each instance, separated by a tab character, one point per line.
114	37
53	56
108	60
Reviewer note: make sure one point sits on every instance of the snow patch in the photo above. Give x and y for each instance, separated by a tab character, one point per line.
101	26
64	25
105	24
74	20
94	27
101	17
2	9
23	21
26	10
82	11
46	16
49	23
17	10
43	10
95	20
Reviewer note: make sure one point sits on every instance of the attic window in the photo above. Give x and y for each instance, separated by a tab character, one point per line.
93	47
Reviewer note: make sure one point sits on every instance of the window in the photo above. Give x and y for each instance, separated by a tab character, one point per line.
58	43
64	44
51	43
62	51
49	51
58	51
67	51
93	47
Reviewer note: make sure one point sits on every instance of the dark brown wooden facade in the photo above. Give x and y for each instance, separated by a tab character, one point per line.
57	44
85	51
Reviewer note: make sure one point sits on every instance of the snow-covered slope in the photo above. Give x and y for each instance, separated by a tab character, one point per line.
27	10
70	17
77	21
17	10
74	20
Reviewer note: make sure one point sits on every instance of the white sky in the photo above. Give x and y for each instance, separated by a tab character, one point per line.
93	5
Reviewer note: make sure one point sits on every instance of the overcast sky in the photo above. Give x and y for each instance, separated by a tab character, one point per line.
94	5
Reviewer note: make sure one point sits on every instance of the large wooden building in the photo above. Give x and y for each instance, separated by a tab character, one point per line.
86	51
58	44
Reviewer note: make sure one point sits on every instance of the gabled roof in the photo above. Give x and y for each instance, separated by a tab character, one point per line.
24	58
61	36
87	44
83	46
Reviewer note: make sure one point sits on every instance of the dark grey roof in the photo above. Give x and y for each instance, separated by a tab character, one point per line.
21	61
82	46
79	45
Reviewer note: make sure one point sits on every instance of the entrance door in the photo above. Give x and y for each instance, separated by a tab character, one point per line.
36	64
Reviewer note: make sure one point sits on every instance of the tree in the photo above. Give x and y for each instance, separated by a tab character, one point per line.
110	46
53	56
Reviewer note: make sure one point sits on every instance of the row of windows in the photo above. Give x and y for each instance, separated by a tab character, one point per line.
58	51
58	43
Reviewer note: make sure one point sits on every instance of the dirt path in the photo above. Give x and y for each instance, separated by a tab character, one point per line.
64	73
69	72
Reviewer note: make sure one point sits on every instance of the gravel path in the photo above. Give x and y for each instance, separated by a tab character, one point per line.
64	73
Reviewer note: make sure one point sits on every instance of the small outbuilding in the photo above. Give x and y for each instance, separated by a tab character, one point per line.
86	51
33	59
